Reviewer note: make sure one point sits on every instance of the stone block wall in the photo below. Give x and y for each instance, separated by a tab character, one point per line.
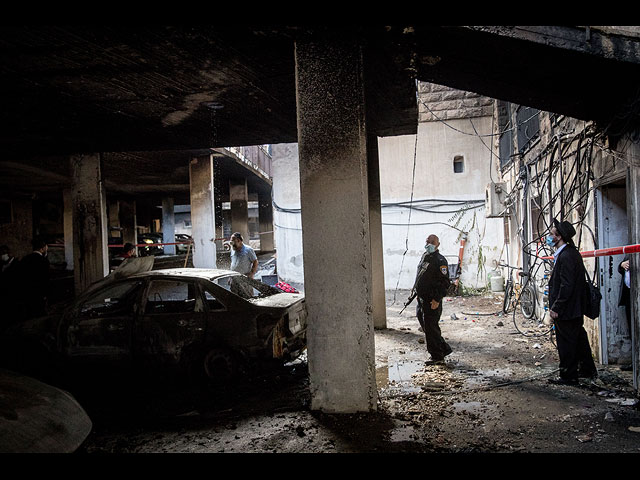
447	103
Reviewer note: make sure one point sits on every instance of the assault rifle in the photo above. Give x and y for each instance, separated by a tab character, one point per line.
409	300
414	292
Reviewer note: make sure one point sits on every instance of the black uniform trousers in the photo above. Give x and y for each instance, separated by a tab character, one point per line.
429	321
574	349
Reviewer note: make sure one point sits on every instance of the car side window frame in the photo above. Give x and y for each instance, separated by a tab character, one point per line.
198	297
134	300
211	290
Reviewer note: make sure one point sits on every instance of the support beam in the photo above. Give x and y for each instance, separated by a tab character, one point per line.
168	225
335	219
375	231
113	212
202	212
67	226
239	199
90	255
265	222
633	209
129	222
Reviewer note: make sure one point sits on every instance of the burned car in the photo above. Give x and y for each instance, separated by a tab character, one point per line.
198	323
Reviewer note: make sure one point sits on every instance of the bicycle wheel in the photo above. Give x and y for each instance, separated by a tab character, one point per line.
508	293
528	302
529	327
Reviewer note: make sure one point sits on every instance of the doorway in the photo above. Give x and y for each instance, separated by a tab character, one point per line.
613	231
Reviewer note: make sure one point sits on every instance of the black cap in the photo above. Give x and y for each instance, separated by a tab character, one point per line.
565	229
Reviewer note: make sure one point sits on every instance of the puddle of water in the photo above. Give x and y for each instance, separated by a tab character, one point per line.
402	433
398	375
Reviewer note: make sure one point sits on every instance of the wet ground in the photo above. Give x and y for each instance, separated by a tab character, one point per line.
491	396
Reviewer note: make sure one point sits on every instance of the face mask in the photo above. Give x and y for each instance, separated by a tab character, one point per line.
550	241
5	258
430	248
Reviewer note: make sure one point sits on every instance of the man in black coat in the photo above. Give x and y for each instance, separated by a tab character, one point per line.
431	285
34	279
625	290
567	297
624	269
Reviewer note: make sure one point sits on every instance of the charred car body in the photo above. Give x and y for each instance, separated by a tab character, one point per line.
198	323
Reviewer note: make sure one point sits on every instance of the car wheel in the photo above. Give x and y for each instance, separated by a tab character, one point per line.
220	365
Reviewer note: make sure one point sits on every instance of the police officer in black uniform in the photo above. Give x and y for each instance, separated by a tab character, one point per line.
431	285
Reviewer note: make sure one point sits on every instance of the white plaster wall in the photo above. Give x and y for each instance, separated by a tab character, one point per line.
287	226
437	146
434	179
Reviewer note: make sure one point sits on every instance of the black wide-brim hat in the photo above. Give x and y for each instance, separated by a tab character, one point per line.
565	229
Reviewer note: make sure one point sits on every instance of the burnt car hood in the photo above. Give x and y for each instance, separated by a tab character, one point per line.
279	300
129	267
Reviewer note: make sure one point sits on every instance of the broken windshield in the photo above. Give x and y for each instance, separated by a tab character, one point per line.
245	287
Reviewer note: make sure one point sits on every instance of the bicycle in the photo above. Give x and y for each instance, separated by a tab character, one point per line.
516	291
523	293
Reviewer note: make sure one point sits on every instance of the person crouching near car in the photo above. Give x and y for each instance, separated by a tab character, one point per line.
243	258
128	251
566	306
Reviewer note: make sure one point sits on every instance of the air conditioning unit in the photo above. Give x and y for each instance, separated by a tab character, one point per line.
495	200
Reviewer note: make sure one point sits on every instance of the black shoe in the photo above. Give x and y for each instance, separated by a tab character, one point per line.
588	376
447	352
562	381
435	361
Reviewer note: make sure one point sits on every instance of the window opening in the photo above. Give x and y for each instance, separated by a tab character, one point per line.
458	164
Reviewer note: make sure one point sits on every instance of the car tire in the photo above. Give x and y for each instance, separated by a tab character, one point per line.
220	366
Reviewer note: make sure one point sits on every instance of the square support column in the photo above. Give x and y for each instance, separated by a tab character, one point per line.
335	220
113	215
168	225
239	199
375	230
265	222
67	222
90	254
129	222
633	208
203	225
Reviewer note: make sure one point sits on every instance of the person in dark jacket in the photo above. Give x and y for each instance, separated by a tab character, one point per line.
8	287
431	285
567	297
625	288
34	280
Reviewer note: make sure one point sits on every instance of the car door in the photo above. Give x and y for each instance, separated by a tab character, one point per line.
232	319
172	319
100	329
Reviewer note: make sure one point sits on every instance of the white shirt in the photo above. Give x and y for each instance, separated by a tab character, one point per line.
555	255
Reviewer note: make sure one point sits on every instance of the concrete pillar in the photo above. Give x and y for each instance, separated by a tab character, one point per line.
265	222
113	211
218	200
335	218
168	225
67	225
633	209
202	212
375	231
90	254
239	199
128	222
